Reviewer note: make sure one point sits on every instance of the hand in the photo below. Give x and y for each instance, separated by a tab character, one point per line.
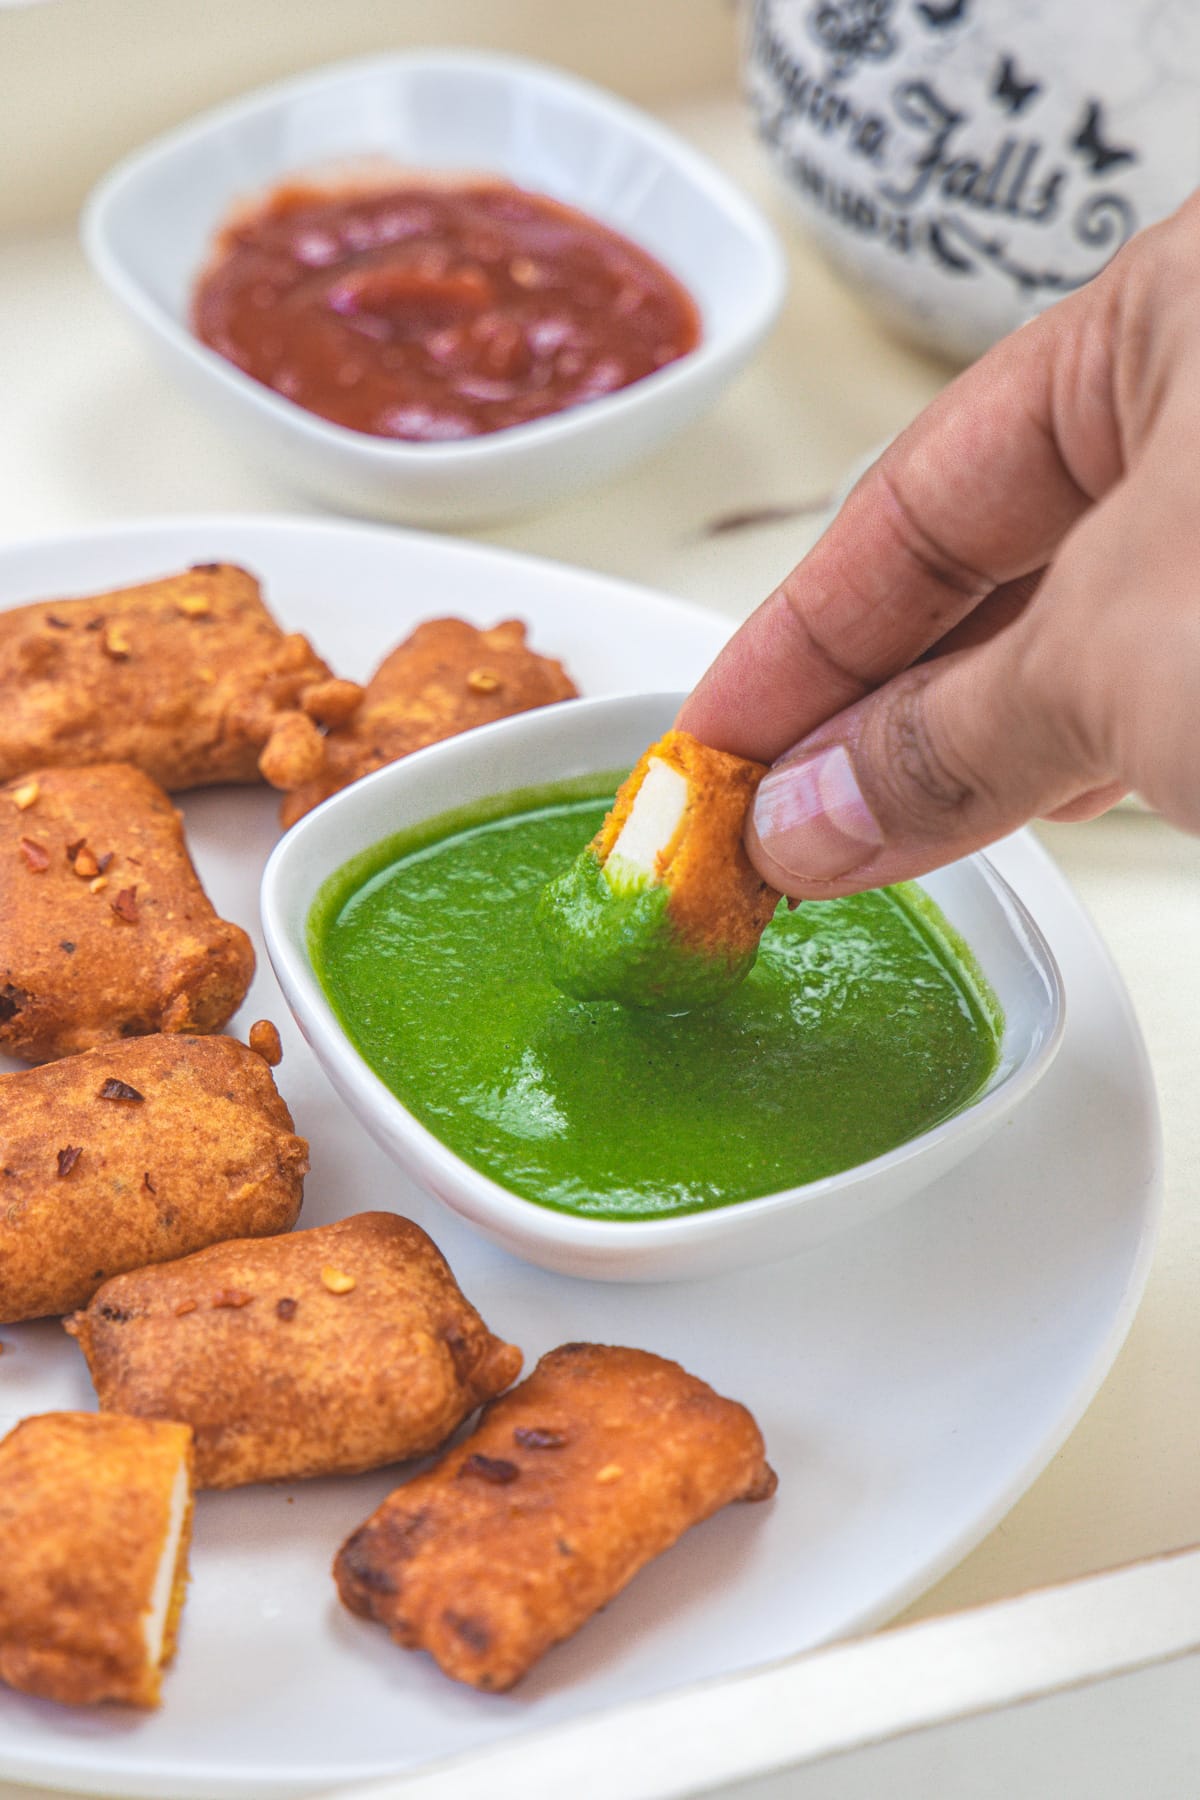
1003	621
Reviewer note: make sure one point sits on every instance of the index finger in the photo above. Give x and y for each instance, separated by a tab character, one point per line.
977	491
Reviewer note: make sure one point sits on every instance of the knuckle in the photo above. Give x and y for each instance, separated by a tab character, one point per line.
1075	660
1175	238
1151	283
928	554
840	666
1157	254
1062	699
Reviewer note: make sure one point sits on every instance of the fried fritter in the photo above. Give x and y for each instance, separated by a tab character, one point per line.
184	677
664	908
95	1520
324	1353
132	1154
447	677
719	903
106	931
570	1485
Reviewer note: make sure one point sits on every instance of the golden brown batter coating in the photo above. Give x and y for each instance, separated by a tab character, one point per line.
89	1509
132	1154
447	677
184	677
717	900
570	1485
263	1039
324	1353
107	932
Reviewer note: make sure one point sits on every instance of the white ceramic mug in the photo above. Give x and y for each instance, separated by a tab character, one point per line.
965	163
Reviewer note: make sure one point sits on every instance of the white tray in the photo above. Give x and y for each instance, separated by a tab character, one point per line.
911	1379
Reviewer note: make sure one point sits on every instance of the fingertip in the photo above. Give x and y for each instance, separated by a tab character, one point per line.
797	888
810	820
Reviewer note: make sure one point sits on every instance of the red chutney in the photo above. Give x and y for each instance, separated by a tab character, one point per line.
437	311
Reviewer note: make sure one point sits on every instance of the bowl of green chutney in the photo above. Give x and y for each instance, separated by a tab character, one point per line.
876	1042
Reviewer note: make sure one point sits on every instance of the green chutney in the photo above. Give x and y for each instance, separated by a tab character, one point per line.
863	1022
601	941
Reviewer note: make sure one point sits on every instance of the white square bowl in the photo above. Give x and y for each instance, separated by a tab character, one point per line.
148	229
583	737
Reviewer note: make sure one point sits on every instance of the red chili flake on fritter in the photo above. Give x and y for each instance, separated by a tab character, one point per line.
125	905
37	857
112	1089
68	1156
489	1468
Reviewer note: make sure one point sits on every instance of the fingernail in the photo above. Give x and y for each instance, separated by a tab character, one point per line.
811	817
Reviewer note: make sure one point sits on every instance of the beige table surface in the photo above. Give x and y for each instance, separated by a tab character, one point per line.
94	434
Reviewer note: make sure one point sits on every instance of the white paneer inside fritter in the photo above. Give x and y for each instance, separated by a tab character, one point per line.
154	1622
654	818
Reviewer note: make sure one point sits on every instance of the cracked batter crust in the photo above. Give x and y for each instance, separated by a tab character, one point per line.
323	1353
570	1484
132	1154
445	678
105	930
186	677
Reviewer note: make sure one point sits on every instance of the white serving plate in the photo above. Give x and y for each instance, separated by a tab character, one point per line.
911	1378
587	737
149	225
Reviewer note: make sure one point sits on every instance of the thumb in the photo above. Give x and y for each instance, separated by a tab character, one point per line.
947	757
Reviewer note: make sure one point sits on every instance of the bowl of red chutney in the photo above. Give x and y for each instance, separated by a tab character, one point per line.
439	287
876	1042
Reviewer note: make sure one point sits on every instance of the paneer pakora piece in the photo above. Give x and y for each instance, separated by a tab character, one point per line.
95	1521
570	1484
447	677
325	1353
664	908
184	677
133	1154
107	932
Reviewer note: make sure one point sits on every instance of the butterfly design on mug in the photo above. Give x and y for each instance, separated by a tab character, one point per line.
851	31
1008	89
938	18
1089	141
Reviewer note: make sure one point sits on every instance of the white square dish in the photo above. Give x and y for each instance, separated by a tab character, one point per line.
149	226
582	737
